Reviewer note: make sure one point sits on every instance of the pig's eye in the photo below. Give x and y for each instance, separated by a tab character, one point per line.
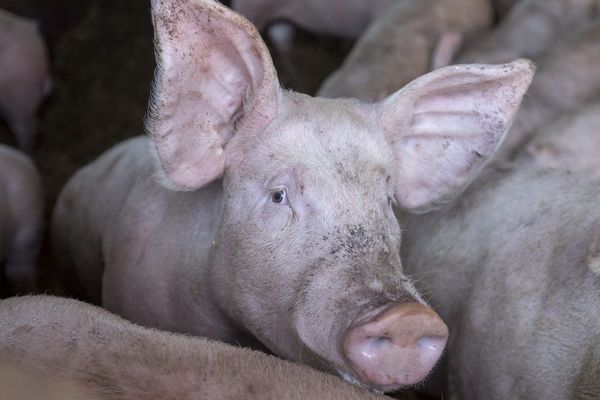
279	196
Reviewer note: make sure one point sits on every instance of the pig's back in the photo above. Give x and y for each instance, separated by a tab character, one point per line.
116	224
508	269
89	207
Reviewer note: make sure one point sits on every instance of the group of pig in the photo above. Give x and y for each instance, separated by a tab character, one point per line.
24	82
258	216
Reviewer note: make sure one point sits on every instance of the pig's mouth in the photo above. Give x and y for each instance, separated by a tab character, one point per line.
380	389
351	379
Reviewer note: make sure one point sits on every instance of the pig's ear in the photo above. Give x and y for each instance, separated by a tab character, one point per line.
444	126
214	78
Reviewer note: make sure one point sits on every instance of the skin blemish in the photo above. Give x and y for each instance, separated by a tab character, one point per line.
593	260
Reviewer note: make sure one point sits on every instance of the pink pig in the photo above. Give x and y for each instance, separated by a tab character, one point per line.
21	213
273	218
24	76
347	18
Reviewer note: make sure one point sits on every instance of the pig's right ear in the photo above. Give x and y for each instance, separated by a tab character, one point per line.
444	126
214	78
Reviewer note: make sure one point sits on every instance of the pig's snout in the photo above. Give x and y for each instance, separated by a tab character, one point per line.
396	346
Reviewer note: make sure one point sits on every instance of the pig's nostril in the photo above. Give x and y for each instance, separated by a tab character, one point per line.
381	341
431	343
374	346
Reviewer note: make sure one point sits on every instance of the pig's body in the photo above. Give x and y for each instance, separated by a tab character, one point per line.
400	45
274	217
347	18
572	142
24	76
104	212
21	213
567	78
531	28
513	268
89	353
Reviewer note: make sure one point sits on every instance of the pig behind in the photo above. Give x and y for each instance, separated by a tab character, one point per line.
24	76
399	46
21	214
513	267
274	221
82	353
567	78
572	142
348	18
531	28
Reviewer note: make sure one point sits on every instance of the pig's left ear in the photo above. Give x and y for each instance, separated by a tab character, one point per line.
214	79
444	126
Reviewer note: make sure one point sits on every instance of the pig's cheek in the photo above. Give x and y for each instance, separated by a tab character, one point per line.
274	218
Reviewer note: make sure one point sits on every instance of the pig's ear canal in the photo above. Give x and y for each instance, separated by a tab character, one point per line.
214	78
444	126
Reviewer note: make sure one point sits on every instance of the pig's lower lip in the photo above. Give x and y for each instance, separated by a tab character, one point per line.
348	377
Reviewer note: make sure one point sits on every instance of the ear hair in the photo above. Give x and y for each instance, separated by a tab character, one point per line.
214	78
444	126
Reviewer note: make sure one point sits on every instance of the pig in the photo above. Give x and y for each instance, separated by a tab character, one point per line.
55	18
16	384
531	28
406	42
24	76
21	216
567	78
97	355
572	142
258	214
347	18
513	268
280	19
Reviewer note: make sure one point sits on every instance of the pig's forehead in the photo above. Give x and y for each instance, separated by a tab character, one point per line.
323	131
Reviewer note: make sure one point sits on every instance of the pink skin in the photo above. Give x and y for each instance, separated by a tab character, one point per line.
21	213
24	76
287	233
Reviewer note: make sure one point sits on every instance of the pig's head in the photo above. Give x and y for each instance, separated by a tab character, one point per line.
308	252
